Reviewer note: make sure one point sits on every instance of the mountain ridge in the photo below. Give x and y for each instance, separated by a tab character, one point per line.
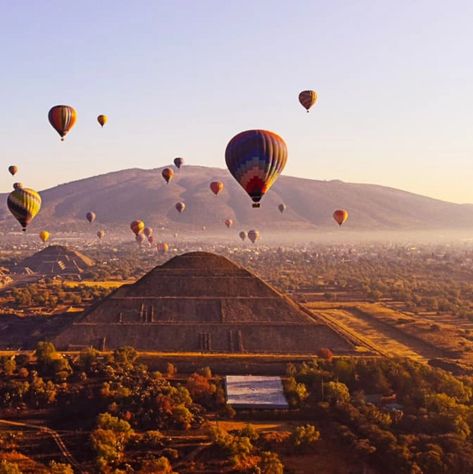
121	196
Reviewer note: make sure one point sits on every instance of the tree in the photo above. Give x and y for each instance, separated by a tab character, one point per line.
336	392
160	465
9	468
109	439
270	464
182	416
305	437
60	468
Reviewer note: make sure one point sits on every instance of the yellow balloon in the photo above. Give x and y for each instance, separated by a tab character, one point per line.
44	235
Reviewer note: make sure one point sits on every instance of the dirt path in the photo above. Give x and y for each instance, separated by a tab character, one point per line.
56	437
386	339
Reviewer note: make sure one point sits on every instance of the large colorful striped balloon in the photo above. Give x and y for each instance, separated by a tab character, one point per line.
24	204
307	99
62	118
256	158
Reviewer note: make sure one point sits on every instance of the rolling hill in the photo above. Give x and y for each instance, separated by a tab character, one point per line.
122	196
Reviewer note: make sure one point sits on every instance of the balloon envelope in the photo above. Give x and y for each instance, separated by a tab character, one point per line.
24	204
91	216
242	235
180	206
148	231
102	120
62	118
216	187
253	235
167	174
44	235
256	158
100	234
162	247
308	99
178	162
13	169
340	216
282	208
228	223
137	227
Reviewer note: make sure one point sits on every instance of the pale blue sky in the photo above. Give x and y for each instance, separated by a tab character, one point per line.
180	78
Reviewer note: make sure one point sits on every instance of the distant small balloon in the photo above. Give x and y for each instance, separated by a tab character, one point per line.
148	231
44	235
102	120
91	216
162	247
137	227
228	223
13	169
180	206
282	207
242	235
167	174
308	99
340	216
178	162
253	235
216	187
18	186
101	234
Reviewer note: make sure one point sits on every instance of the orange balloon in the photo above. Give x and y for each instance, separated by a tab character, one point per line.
340	216
216	187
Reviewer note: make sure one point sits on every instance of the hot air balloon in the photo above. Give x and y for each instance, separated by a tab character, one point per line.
24	204
178	162
167	174
180	206
102	120
100	234
216	187
242	235
307	99
282	207
44	235
162	247
340	216
148	231
255	158
140	238
91	216
62	118
228	223
13	170
137	227
253	235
